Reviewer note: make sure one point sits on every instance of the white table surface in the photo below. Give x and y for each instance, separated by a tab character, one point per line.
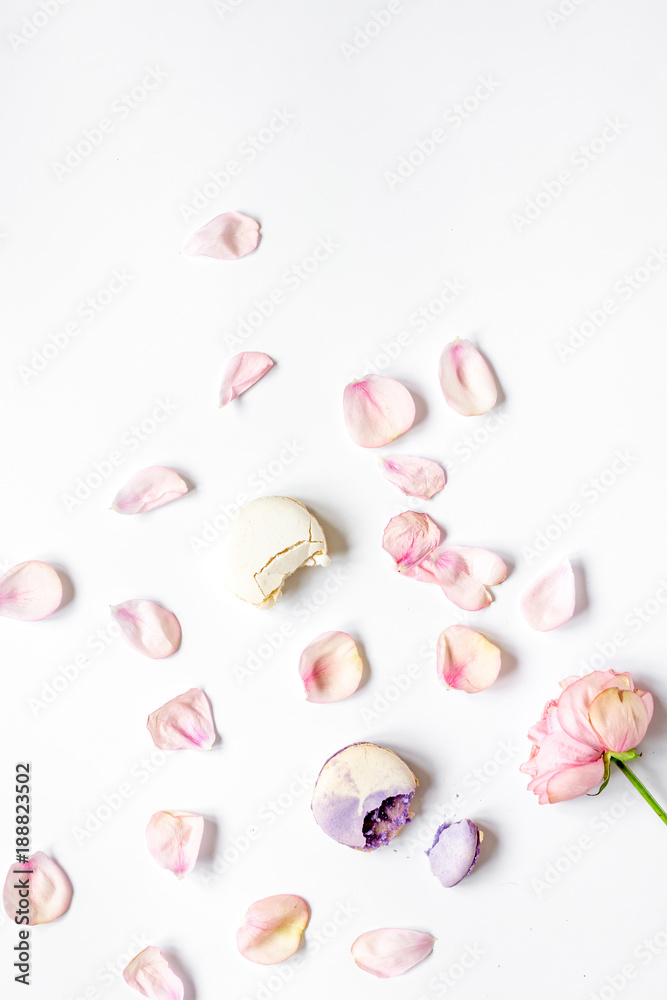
569	115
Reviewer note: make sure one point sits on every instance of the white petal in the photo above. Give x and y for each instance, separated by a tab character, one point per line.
549	601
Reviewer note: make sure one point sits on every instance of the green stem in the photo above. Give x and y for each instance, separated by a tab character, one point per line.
643	791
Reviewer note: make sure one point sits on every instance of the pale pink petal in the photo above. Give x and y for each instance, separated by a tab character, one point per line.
148	628
409	538
561	767
49	891
330	667
149	974
242	371
376	410
30	591
464	573
549	601
620	718
225	237
416	477
466	660
466	379
150	488
174	839
390	951
272	928
184	723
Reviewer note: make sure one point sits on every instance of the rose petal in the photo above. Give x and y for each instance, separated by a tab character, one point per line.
330	667
454	852
271	929
464	573
149	973
561	767
466	660
174	839
242	371
466	379
49	890
416	477
549	601
390	951
576	699
409	538
376	410
148	628
226	237
620	718
148	489
183	723
30	591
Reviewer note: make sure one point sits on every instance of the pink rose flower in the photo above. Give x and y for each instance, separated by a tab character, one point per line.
595	717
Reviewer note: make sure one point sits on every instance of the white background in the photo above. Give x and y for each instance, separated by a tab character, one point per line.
539	923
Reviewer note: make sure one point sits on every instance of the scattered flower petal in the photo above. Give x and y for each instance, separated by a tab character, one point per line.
149	974
49	890
174	839
377	409
30	591
455	851
242	371
226	237
620	718
390	951
463	572
148	628
466	379
416	477
549	601
272	928
362	796
184	723
148	489
466	660
330	667
409	538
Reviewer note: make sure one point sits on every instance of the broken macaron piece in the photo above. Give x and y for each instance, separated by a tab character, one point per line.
362	796
268	540
454	851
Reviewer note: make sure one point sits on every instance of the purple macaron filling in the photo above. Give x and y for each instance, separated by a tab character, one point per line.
383	823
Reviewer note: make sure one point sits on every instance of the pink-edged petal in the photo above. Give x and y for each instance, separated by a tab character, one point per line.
30	591
377	409
466	660
466	379
148	489
149	974
49	890
549	601
561	767
272	928
330	667
390	951
226	237
242	371
409	538
464	573
148	628
416	477
174	839
620	718
184	723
